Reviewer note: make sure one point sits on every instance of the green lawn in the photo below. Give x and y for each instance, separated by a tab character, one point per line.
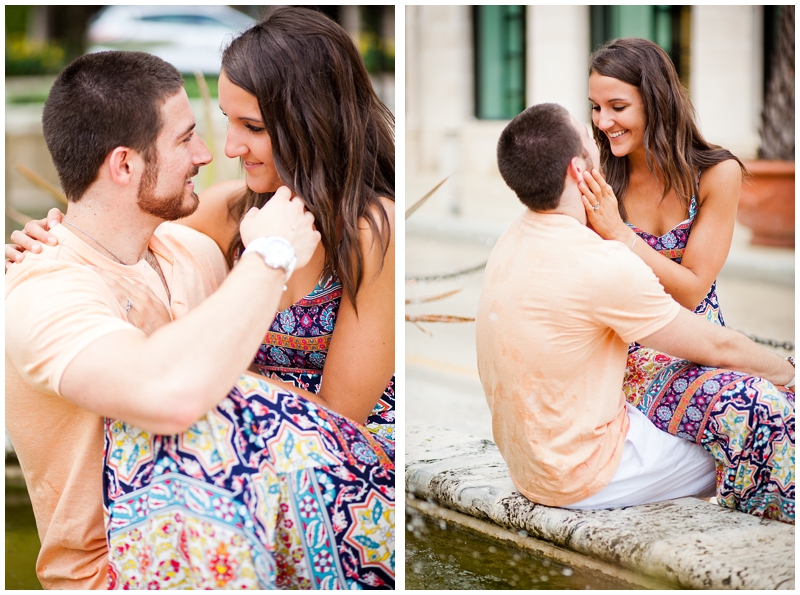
22	541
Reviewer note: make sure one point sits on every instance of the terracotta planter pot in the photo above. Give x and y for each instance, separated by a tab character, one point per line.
766	204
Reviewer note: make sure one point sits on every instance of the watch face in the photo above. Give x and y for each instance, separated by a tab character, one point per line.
278	254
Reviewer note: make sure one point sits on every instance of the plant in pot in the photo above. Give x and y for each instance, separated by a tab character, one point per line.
766	204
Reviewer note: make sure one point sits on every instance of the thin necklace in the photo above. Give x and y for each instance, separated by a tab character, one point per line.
153	262
151	259
117	258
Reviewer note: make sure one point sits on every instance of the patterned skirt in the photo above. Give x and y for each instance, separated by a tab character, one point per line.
380	421
266	491
745	422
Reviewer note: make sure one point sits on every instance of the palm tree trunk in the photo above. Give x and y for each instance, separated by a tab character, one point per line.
777	128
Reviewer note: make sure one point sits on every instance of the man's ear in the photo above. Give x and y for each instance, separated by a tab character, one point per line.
122	163
575	168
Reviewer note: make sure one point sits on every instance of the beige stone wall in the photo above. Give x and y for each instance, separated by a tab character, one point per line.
726	75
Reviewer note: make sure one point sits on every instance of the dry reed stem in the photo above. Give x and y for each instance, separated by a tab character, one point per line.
416	319
423	329
19	218
412	209
39	181
433	298
437	318
442	276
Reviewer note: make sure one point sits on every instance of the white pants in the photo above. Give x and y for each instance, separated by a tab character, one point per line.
655	466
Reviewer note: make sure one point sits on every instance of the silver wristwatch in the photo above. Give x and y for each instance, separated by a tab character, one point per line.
276	252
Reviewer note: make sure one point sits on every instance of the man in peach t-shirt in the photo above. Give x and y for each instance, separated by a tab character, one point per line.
558	308
120	129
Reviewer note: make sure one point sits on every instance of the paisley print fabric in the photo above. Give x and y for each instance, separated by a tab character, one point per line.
750	433
296	347
266	491
745	422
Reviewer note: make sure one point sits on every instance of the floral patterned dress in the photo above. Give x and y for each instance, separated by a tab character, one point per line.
745	422
266	491
296	347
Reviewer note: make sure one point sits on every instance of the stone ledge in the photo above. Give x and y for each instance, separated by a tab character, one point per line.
688	543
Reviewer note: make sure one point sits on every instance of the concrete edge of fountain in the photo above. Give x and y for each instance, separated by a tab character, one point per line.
686	543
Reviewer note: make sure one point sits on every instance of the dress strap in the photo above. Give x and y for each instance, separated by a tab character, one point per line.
693	200
692	207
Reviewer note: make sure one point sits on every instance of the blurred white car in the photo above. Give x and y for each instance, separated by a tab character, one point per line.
191	38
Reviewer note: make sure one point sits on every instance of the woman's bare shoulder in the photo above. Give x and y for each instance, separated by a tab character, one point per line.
728	171
375	212
212	216
377	243
721	182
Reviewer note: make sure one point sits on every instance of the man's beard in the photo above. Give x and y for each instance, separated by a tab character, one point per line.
169	208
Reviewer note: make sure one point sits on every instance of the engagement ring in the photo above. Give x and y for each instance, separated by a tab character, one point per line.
130	305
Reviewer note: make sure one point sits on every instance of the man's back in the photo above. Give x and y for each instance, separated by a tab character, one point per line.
54	308
557	310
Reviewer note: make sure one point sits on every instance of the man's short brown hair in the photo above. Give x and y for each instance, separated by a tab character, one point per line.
534	151
102	101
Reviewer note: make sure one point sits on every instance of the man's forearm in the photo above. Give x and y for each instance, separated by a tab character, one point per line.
217	341
171	378
165	381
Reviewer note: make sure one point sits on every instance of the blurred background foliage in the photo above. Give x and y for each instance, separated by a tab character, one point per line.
25	56
42	40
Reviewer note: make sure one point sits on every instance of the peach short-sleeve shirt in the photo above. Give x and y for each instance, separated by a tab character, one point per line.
558	308
55	307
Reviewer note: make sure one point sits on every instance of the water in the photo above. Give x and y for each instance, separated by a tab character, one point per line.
22	539
442	555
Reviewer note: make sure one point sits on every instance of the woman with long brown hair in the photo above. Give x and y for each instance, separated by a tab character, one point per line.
671	197
302	113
